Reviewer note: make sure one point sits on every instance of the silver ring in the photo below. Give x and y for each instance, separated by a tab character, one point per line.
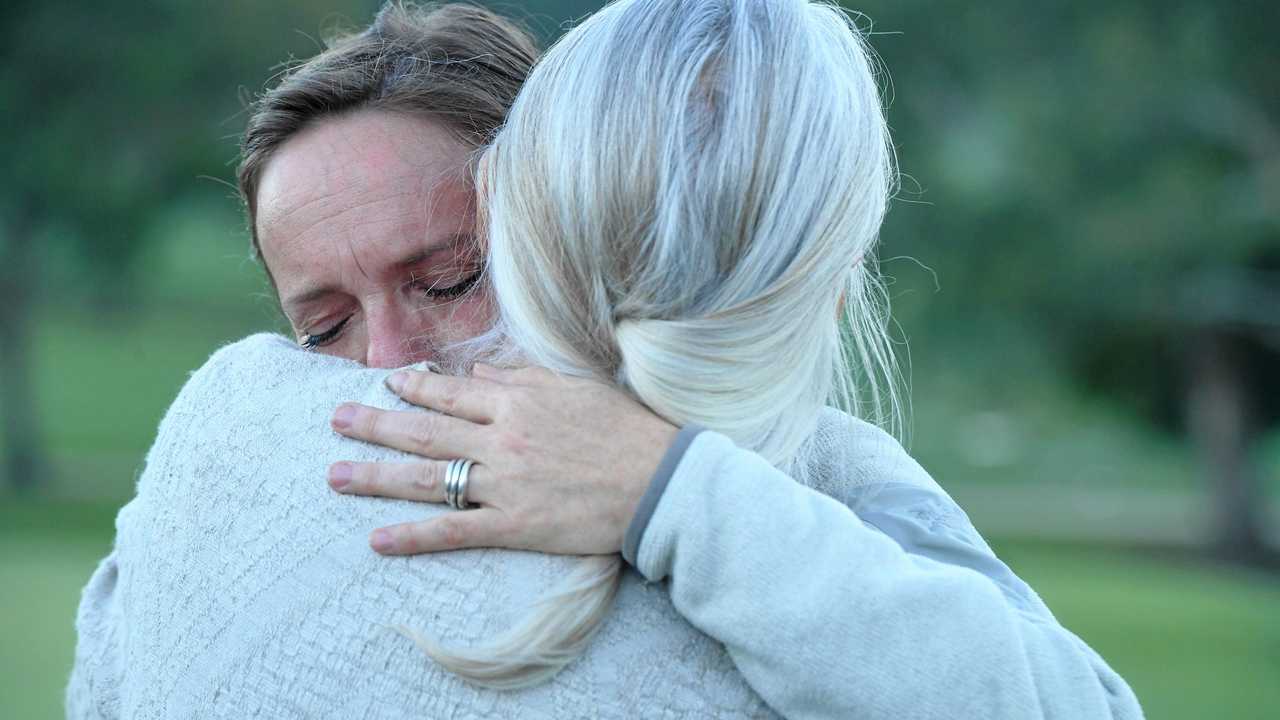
456	475
464	474
450	490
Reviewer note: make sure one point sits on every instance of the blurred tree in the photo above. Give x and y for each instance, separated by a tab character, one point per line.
1090	171
113	110
1090	167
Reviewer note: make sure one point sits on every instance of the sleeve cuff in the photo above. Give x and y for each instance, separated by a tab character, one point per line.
649	501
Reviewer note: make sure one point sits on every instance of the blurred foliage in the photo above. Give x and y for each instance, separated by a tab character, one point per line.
120	109
1086	186
1088	171
1089	188
1077	173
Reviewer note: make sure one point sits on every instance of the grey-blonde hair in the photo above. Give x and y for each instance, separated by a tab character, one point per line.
684	202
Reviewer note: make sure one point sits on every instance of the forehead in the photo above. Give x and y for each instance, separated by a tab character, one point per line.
366	183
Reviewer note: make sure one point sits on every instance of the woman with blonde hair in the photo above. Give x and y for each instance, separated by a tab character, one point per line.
684	203
680	214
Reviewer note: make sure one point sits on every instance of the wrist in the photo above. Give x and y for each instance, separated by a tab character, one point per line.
676	443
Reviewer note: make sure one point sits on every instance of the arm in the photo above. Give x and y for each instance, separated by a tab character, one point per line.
822	611
848	623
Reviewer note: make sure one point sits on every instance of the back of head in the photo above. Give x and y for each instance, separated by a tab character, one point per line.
685	194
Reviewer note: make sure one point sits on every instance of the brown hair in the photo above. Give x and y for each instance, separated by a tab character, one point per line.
457	63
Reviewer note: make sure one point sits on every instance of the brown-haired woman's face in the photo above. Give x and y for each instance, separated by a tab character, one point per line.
366	224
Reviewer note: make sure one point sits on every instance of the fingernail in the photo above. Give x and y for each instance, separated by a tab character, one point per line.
396	381
343	416
381	541
340	475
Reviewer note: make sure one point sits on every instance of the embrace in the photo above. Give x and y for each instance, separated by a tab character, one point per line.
583	413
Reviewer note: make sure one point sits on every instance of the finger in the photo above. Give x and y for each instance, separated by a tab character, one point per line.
532	375
418	481
468	398
529	375
486	527
428	434
488	372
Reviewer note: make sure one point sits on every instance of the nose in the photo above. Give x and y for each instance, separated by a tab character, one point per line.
390	338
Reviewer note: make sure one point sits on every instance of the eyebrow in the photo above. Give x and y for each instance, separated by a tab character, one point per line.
415	258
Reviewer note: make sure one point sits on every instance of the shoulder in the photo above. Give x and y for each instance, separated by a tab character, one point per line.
872	473
256	348
258	360
263	368
847	456
225	372
257	392
230	376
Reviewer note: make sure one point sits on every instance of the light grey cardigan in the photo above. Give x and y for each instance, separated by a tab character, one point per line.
241	586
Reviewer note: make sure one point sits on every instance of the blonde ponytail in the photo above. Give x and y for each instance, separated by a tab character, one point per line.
685	194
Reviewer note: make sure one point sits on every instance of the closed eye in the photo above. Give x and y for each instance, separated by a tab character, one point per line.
311	342
458	289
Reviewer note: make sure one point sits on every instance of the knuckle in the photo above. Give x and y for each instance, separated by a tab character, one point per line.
362	477
427	480
522	396
408	540
412	388
506	399
452	534
516	524
376	481
373	421
424	429
524	374
449	398
515	441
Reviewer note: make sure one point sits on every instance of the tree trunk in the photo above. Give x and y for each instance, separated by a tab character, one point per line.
1222	421
23	459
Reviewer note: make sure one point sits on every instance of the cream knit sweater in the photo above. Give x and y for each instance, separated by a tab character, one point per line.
241	586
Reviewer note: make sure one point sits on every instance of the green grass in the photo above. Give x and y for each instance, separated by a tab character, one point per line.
104	385
1194	640
40	580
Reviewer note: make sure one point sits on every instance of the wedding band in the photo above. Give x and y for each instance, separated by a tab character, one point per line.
450	472
464	474
456	475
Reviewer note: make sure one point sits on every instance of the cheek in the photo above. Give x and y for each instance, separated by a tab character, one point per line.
351	345
466	318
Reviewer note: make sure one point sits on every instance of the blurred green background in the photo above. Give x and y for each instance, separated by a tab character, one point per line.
1084	255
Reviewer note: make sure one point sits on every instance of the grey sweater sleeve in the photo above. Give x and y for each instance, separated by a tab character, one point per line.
657	485
827	617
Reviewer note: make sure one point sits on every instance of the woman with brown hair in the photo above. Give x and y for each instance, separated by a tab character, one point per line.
681	208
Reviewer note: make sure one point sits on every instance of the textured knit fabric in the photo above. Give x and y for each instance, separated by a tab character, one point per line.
241	586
